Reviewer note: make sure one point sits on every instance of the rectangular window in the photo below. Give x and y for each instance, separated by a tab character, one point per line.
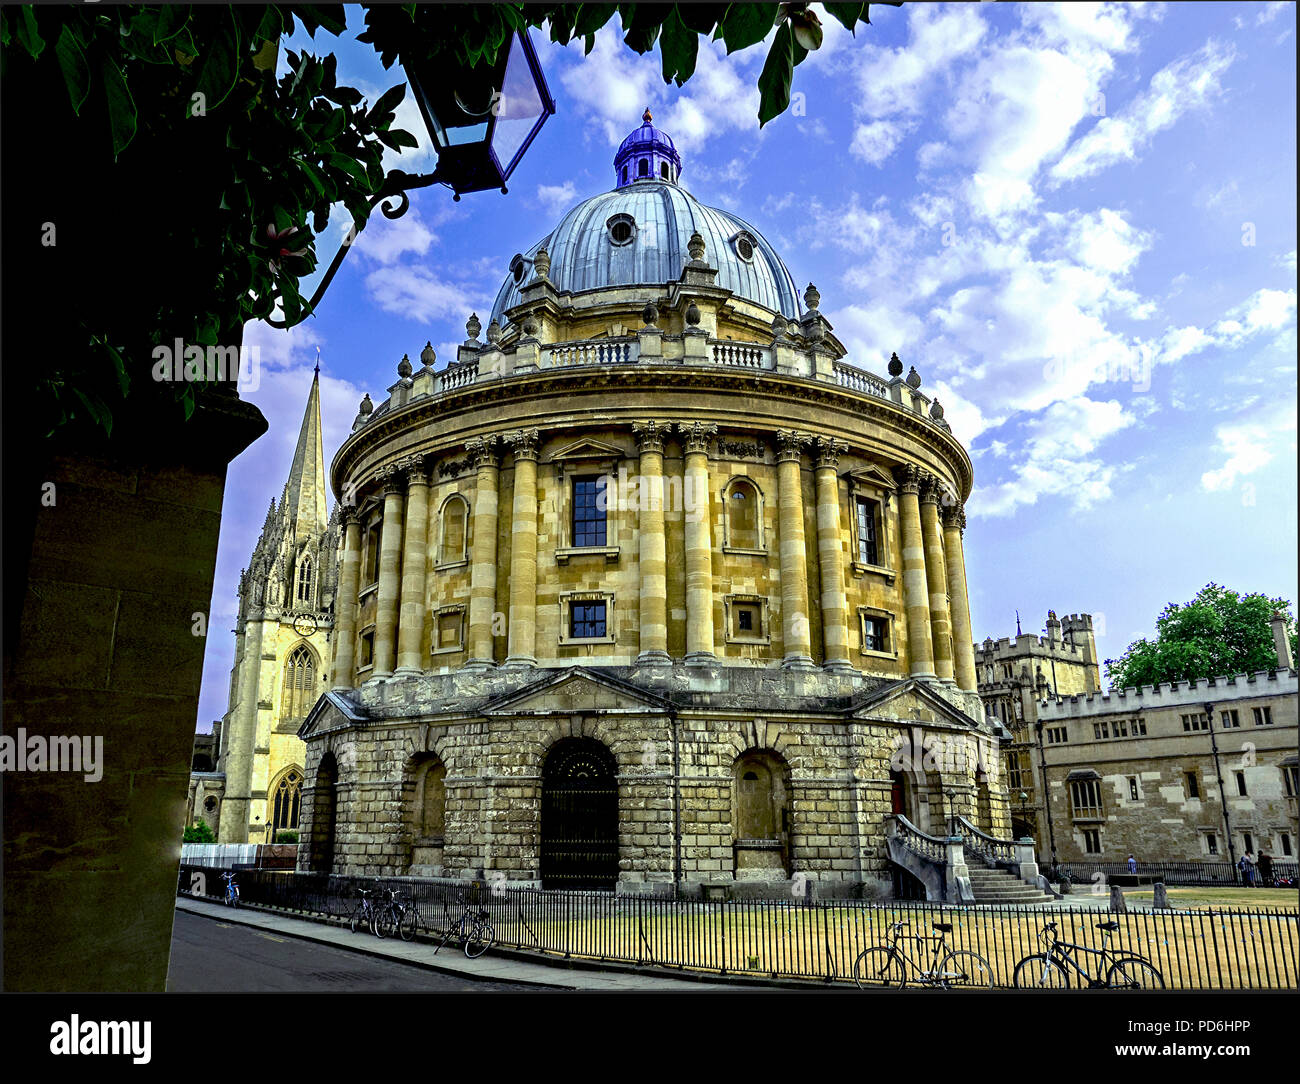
1198	721
1139	728
868	523
1229	720
1056	735
589	511
587	620
1133	794
1241	784
1092	840
1263	716
875	634
1193	785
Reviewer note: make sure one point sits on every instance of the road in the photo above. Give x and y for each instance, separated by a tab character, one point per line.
210	956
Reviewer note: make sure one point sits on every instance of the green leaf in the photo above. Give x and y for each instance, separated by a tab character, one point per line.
121	107
778	72
27	33
679	47
76	72
747	24
220	65
847	14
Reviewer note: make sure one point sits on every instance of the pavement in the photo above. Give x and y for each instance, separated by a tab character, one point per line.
493	967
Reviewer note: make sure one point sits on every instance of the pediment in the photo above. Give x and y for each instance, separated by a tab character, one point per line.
574	692
911	701
588	448
872	475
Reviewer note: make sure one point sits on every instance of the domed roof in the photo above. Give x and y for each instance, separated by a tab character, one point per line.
637	235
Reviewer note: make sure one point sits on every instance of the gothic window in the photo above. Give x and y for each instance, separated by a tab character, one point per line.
589	527
455	517
287	802
868	520
299	683
304	581
744	515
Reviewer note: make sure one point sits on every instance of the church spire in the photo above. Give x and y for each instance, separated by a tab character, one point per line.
304	502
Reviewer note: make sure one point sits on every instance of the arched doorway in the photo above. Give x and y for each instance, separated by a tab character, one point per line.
579	826
324	806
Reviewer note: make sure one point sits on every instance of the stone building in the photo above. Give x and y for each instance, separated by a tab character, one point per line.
1200	770
650	585
286	616
1014	676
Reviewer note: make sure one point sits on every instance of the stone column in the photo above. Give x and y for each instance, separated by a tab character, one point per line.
954	521
390	560
410	627
345	606
483	570
916	596
652	558
522	642
936	577
830	557
794	553
699	547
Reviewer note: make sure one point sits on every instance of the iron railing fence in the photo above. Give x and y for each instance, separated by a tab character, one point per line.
796	938
1171	873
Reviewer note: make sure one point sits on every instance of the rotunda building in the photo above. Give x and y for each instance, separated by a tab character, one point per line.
651	588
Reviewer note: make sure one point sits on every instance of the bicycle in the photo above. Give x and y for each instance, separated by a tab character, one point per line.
888	965
1048	969
231	897
472	929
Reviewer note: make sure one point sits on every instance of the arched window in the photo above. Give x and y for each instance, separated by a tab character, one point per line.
299	683
455	515
304	580
287	799
643	168
742	515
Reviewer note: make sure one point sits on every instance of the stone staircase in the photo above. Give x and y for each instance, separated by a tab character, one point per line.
997	886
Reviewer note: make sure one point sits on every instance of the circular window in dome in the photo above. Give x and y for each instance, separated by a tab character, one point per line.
517	268
622	229
744	246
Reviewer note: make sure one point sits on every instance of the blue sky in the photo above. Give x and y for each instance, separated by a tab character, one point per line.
1076	221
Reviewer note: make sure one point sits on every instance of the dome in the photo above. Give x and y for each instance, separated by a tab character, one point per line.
637	235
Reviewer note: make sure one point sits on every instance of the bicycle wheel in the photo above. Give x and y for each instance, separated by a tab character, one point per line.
879	966
1040	972
1134	973
479	938
962	969
385	922
407	926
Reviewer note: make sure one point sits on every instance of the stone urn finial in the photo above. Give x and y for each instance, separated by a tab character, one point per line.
428	355
812	297
542	263
895	366
473	326
494	332
695	246
404	367
913	378
650	314
693	314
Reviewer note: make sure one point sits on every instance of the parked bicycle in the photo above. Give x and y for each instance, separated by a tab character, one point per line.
888	965
232	890
472	929
1050	969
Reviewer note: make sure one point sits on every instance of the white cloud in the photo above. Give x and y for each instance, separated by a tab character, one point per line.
1188	83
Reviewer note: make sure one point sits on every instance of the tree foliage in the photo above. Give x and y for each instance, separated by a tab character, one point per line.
1218	633
188	184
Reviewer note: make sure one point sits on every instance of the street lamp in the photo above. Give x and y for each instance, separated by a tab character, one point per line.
481	120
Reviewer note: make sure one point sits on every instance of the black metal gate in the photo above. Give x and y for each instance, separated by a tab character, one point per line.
579	816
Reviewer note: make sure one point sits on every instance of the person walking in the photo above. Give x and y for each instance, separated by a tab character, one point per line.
1266	869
